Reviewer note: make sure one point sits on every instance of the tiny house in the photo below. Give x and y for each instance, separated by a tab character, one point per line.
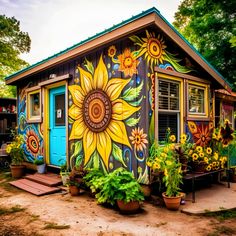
104	101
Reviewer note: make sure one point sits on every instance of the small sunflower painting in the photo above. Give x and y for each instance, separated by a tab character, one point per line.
201	133
99	114
153	48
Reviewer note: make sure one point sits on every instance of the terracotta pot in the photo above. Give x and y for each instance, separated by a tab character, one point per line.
172	203
17	171
129	207
74	190
146	189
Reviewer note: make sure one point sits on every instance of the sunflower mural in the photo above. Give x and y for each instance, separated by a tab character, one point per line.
99	115
153	48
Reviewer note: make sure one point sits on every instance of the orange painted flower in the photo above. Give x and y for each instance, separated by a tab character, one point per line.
202	137
112	51
138	139
32	143
128	63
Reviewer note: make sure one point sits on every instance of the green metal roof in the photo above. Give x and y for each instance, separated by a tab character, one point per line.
133	18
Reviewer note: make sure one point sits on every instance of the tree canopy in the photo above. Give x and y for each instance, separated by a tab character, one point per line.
210	26
13	42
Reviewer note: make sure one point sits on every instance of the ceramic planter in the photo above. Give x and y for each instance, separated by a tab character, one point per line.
172	203
17	171
129	207
41	168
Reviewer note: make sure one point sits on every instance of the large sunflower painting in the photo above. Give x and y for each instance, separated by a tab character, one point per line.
154	50
99	113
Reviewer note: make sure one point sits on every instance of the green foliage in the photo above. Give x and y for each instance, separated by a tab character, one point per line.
38	161
15	150
120	185
94	180
210	26
132	93
13	42
117	154
131	122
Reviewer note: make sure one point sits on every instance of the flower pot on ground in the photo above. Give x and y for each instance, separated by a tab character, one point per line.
41	166
146	189
64	173
120	185
129	207
172	203
73	184
15	150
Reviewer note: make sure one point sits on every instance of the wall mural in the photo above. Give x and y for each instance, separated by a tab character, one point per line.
33	146
108	103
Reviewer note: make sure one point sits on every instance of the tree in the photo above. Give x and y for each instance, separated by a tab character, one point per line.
13	42
210	26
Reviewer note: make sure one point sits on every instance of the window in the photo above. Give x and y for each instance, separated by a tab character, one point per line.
168	108
197	100
34	106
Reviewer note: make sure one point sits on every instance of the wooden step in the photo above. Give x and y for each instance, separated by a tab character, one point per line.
48	179
33	187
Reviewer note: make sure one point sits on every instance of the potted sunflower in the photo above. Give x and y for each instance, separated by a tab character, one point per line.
15	150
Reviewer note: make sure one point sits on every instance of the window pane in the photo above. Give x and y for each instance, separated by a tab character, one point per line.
167	121
196	100
34	105
168	95
60	110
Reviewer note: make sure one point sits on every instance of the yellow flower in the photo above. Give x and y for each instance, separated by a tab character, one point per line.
201	154
209	150
183	137
216	156
172	146
163	155
190	152
166	149
172	138
208	168
206	160
214	164
165	172
192	127
195	156
112	51
99	112
199	149
149	164
169	163
156	166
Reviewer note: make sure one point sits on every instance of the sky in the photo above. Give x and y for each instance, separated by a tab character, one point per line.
54	25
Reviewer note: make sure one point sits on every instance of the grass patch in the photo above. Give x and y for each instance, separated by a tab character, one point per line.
14	209
222	230
33	218
160	224
222	215
51	225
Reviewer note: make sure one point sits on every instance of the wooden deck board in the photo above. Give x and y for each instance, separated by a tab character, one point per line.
33	187
45	179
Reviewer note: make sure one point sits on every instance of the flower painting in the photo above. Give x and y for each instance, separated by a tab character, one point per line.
98	112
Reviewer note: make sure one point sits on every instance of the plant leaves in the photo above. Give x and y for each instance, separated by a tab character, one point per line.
132	121
117	154
136	103
89	66
76	148
132	93
96	160
78	161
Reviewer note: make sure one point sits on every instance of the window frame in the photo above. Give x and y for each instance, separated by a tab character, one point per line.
206	100
33	118
179	112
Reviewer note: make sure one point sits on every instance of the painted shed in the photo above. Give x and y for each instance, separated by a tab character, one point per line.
103	101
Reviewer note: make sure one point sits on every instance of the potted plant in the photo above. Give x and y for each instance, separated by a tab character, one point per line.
172	180
74	186
64	173
122	188
41	166
15	150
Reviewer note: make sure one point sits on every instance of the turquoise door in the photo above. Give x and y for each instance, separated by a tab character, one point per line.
57	126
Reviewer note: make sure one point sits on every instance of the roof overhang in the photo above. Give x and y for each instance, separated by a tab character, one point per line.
147	18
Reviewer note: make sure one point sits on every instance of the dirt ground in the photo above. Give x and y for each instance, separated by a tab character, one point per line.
58	214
